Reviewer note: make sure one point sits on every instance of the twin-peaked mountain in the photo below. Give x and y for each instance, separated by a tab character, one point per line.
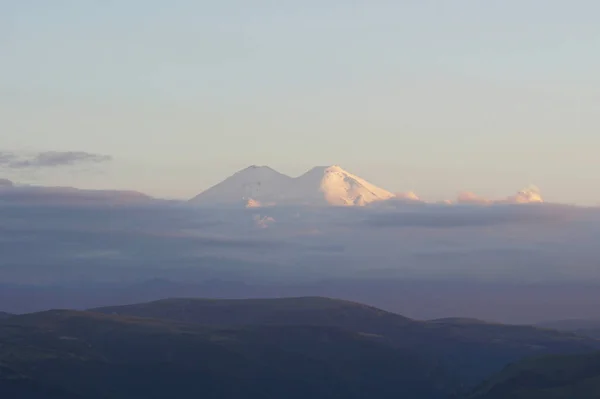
261	185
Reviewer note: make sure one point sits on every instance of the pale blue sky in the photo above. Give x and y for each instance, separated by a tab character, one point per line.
432	96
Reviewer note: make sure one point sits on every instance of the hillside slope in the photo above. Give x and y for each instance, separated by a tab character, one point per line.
472	349
91	355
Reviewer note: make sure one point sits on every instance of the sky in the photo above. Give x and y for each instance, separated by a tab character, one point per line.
437	97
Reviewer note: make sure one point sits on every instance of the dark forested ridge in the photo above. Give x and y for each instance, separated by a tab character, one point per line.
272	348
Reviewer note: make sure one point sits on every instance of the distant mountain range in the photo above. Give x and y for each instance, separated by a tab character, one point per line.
258	186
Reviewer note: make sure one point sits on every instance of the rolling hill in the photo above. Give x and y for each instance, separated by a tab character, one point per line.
472	349
265	348
70	354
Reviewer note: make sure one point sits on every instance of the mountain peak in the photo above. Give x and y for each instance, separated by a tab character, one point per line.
255	167
334	168
328	168
259	183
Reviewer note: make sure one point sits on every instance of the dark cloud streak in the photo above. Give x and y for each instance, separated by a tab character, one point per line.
50	159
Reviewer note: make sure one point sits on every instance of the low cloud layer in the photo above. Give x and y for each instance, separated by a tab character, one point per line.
49	159
472	199
528	195
470	217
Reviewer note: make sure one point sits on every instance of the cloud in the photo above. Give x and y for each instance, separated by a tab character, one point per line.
399	200
471	198
439	217
7	157
408	196
49	159
528	195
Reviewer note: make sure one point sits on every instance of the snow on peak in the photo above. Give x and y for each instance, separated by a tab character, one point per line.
332	169
323	185
332	185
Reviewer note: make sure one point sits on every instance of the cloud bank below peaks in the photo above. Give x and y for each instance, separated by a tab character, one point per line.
529	195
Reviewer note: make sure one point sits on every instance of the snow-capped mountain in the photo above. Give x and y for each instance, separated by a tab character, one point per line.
325	185
332	185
